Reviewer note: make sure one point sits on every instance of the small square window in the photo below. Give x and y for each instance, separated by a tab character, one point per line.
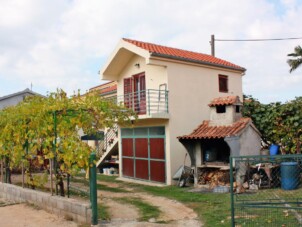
223	83
220	109
237	109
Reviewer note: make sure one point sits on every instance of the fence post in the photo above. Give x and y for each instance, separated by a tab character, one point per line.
232	192
6	171
2	169
93	189
55	150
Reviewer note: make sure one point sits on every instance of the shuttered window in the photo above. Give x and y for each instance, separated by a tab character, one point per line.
223	83
128	92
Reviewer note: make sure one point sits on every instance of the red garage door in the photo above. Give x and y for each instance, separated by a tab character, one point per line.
143	153
157	156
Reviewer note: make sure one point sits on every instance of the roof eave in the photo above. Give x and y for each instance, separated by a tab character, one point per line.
24	92
123	50
153	54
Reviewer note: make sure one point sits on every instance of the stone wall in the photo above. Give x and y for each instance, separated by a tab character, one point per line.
65	207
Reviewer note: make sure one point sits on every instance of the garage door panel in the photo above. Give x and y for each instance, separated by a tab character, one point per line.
128	167
141	147
127	147
143	153
157	171
141	169
157	148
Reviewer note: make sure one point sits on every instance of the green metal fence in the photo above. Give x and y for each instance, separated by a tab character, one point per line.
266	190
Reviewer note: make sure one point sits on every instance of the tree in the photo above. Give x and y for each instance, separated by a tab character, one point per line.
297	59
28	131
278	123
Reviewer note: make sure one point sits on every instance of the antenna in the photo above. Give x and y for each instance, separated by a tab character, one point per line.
31	86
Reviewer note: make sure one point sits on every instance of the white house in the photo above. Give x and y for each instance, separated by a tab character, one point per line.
170	89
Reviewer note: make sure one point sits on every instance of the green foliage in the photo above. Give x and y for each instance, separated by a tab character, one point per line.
103	211
278	123
36	181
28	130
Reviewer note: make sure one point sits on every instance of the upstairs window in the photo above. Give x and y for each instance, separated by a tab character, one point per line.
223	83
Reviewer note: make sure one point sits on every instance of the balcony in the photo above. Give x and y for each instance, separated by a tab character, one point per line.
147	104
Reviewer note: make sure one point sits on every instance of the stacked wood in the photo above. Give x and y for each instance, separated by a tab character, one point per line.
214	177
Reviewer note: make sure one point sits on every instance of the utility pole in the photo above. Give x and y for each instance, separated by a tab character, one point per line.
212	42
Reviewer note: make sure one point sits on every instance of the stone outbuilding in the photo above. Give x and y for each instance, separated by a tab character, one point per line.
226	133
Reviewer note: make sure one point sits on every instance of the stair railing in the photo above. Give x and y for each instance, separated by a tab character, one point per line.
109	137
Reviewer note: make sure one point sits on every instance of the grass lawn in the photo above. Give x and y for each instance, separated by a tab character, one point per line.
147	211
214	209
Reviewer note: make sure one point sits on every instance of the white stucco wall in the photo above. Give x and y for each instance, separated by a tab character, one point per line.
154	75
191	89
250	142
227	118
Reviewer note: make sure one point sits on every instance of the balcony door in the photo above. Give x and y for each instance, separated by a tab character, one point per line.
140	93
135	93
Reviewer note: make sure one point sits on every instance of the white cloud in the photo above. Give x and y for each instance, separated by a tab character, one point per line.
63	43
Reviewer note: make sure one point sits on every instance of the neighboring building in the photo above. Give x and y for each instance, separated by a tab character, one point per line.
226	133
15	98
106	90
170	90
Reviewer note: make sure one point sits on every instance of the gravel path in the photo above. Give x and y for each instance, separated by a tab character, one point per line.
173	213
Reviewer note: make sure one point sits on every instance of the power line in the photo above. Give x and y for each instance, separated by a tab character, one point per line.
257	40
212	42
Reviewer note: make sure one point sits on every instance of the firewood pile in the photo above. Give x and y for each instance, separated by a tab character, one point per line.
214	177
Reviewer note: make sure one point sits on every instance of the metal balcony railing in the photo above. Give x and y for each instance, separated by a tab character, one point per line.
147	102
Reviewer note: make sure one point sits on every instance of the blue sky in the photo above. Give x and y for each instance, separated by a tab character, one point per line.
64	43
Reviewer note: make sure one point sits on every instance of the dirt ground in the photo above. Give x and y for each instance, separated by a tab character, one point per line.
173	213
23	215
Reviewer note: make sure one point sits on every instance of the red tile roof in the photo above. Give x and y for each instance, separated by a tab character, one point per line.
105	88
109	89
110	83
227	100
184	55
205	131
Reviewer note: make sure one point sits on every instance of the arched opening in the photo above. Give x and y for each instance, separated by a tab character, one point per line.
215	150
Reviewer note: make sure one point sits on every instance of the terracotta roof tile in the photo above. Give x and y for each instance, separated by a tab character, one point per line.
206	131
184	55
109	89
110	83
227	100
105	88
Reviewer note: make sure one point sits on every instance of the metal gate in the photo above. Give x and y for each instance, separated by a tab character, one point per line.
266	190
